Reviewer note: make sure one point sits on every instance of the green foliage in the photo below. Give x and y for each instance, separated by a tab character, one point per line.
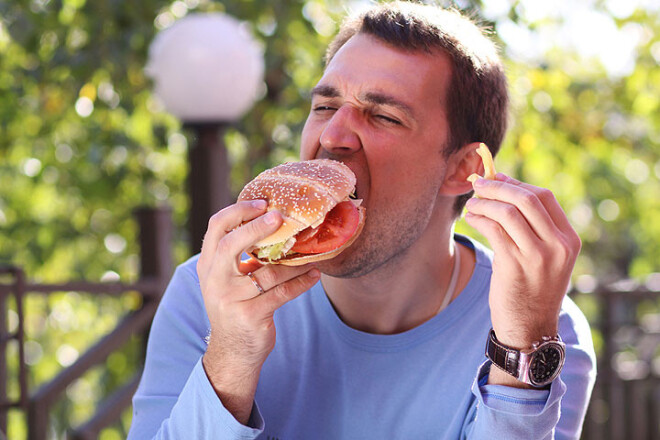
83	143
595	141
80	146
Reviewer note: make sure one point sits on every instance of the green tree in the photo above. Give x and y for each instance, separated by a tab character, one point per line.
83	142
594	139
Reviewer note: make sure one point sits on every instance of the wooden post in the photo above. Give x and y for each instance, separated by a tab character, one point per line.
4	338
156	231
17	288
208	178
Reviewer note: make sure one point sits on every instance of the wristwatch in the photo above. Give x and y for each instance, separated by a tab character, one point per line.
537	367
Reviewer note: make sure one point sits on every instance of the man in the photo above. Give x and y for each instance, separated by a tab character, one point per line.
366	346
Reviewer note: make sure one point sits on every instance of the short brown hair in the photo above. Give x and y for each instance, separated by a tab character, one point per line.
477	95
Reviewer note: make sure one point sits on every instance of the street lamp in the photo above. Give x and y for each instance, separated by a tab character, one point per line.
208	71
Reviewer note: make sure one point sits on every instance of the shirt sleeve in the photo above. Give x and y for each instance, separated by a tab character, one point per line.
557	413
175	399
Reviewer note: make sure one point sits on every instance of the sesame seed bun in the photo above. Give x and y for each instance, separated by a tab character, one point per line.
303	192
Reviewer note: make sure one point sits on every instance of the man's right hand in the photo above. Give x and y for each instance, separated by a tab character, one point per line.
242	327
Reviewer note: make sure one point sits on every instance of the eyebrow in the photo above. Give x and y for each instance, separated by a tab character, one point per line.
325	91
376	98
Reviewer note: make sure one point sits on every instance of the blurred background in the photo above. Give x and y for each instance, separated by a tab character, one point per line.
98	174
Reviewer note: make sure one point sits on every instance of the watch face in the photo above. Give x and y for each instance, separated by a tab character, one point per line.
545	364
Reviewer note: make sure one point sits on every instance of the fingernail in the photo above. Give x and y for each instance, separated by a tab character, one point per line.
314	273
470	202
259	204
271	218
480	182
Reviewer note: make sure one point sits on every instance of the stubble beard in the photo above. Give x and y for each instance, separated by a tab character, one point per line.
386	238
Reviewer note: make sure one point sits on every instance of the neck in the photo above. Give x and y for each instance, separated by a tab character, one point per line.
403	293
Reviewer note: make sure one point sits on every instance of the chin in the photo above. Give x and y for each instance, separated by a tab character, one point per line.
345	265
356	261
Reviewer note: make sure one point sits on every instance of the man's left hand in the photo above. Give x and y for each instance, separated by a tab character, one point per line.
535	250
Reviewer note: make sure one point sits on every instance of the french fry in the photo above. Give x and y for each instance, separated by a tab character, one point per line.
473	177
489	166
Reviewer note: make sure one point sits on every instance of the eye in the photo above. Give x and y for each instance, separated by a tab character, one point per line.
323	108
388	120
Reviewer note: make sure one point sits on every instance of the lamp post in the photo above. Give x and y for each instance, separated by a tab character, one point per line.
208	71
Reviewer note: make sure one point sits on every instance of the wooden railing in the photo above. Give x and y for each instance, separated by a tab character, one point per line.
625	404
155	270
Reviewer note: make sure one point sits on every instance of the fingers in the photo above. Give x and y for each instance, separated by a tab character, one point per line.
547	198
282	293
528	215
230	218
280	284
506	221
243	238
496	235
233	231
223	276
223	222
553	208
272	275
517	205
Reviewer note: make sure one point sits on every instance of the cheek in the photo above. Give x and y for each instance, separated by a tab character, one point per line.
403	172
309	141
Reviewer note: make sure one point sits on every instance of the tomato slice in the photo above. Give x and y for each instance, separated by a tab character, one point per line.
339	226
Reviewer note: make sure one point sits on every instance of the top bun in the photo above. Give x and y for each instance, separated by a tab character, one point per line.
303	192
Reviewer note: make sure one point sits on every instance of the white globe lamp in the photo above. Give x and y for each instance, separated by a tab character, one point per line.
206	68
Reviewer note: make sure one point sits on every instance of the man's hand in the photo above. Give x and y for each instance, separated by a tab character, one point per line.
535	250
242	328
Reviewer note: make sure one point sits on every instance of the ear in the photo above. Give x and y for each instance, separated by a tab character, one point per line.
460	165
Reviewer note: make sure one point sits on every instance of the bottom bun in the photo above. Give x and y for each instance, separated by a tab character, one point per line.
300	259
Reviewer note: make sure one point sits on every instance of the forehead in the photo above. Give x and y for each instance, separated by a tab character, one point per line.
364	64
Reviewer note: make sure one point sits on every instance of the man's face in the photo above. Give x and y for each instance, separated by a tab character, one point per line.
381	111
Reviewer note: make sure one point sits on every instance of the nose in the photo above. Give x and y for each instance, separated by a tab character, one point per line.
340	135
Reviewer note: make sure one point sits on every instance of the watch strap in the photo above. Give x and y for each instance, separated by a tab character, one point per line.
502	356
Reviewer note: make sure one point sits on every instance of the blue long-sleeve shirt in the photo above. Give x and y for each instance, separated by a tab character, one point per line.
325	380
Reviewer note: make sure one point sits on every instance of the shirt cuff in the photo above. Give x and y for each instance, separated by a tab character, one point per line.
221	415
522	401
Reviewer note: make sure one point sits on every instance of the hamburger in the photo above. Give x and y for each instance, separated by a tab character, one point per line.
321	217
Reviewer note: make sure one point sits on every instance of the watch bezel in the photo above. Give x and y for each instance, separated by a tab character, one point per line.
535	352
